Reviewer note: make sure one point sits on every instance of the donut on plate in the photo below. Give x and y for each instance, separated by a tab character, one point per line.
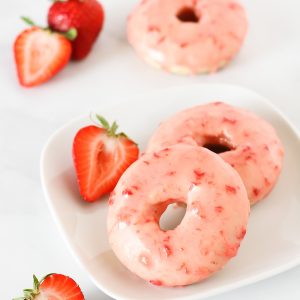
187	36
210	232
245	141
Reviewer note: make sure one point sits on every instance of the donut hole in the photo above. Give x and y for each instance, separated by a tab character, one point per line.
218	145
187	14
172	216
217	148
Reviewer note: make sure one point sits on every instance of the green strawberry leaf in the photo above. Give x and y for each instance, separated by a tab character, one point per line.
103	122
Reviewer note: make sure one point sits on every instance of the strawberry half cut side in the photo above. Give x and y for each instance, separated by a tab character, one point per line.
41	53
101	156
53	286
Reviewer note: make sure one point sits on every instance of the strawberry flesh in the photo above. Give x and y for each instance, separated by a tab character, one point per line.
57	286
100	160
39	55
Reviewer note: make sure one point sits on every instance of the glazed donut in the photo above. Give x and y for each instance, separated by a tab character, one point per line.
248	143
210	232
187	36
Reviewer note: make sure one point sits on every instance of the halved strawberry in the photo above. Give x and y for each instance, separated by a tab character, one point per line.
53	286
100	158
40	54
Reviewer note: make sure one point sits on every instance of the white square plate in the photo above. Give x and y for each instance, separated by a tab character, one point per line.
272	243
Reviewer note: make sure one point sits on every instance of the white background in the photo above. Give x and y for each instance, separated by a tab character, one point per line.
269	63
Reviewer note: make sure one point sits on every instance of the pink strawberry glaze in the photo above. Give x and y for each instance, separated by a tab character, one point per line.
257	153
210	232
159	36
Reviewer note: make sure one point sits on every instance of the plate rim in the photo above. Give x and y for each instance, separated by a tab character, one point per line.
131	99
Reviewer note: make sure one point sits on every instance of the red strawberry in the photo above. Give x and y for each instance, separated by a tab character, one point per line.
100	157
87	16
53	286
40	54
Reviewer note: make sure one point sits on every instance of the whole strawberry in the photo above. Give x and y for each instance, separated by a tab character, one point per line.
87	16
53	286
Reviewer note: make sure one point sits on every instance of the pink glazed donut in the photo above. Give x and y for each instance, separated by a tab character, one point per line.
248	143
210	232
187	36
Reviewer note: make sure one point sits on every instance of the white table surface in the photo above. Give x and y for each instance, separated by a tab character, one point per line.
30	243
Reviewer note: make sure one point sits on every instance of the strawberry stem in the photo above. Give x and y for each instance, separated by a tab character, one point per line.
30	294
28	21
111	130
104	123
36	283
71	34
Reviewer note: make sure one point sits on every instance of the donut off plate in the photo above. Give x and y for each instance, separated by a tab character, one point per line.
272	243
